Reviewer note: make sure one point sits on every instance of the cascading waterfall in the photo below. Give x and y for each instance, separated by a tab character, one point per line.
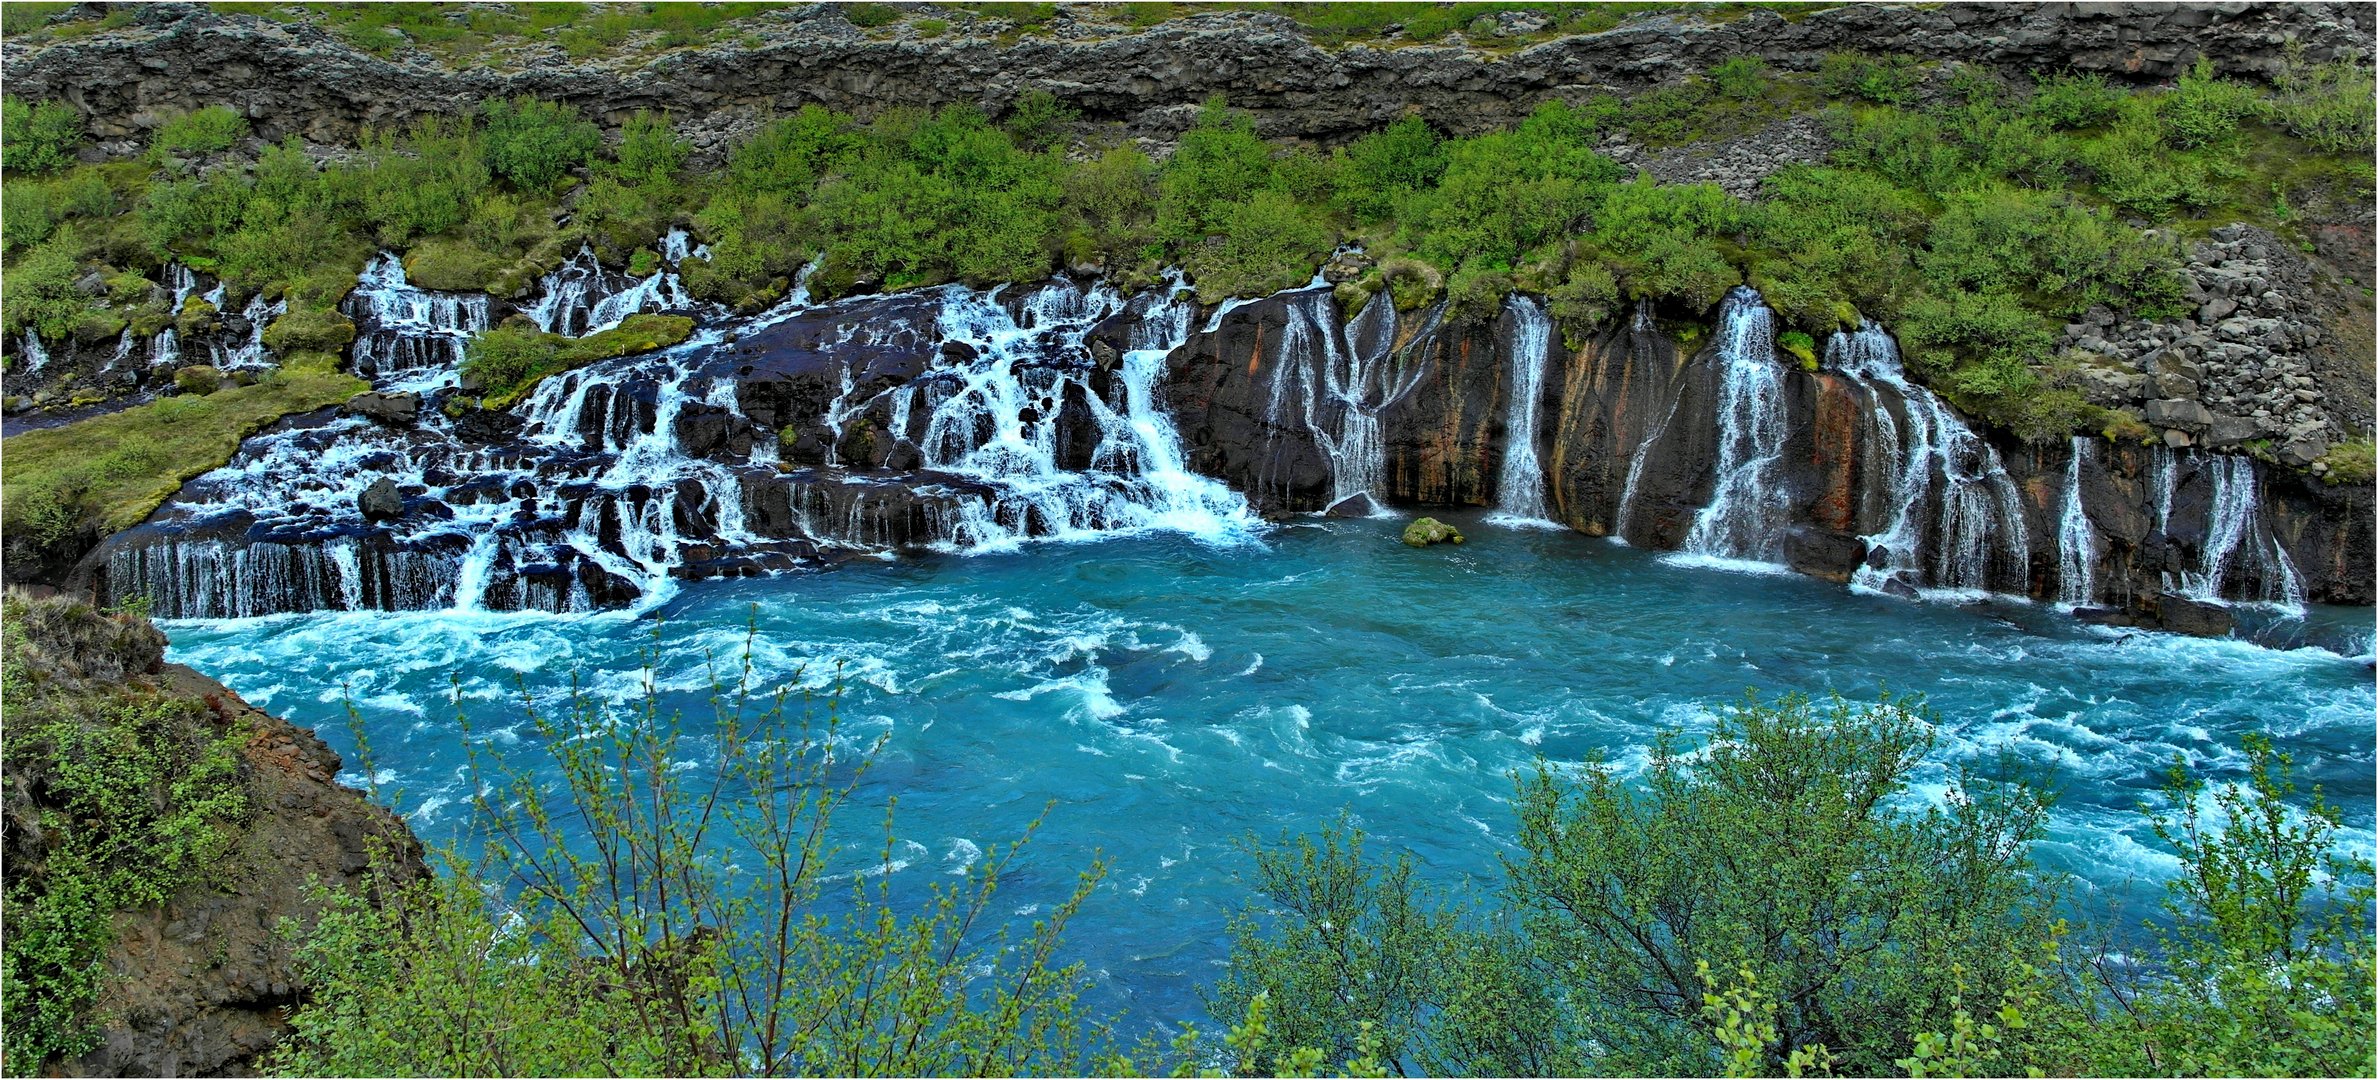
250	352
587	498
2076	538
2239	556
1743	521
1519	492
997	422
1938	464
408	334
582	298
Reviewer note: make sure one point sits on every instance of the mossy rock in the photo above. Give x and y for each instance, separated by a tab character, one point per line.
99	324
1428	530
1801	346
453	266
320	330
197	317
198	379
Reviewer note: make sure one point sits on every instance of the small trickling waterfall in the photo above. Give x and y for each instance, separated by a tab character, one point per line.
250	353
405	332
581	297
1519	491
2076	538
1946	487
2240	559
1746	512
34	355
1335	380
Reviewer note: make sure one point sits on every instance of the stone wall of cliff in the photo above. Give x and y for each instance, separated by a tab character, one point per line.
302	80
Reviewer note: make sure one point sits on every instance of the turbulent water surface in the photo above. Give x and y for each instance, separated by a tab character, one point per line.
1170	696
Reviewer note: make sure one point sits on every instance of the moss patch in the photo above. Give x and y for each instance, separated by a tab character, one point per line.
111	471
509	362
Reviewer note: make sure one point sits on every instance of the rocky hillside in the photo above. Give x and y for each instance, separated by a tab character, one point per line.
193	976
303	80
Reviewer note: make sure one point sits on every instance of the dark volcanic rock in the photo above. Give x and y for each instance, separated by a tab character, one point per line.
398	409
2192	617
381	501
302	80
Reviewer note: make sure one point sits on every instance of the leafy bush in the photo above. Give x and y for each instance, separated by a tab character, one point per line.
639	951
2067	102
1742	78
2333	106
1038	120
534	143
2205	109
134	794
38	137
650	150
38	292
205	131
1888	80
1380	171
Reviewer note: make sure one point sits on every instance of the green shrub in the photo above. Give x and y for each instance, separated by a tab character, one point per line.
2204	109
38	137
2067	102
1887	80
2333	106
2352	462
1584	299
1475	295
1038	120
134	795
533	144
650	150
1379	172
506	362
195	134
1219	164
1742	78
38	292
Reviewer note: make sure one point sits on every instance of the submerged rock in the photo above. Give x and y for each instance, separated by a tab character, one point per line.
1428	531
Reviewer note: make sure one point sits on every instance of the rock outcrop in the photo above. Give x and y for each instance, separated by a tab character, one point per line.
294	79
202	983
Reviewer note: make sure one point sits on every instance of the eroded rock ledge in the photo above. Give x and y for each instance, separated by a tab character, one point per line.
295	79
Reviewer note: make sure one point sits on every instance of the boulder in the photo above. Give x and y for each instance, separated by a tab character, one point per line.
2182	413
1357	505
381	501
2303	450
2196	618
1823	553
1428	530
2227	431
399	410
2100	616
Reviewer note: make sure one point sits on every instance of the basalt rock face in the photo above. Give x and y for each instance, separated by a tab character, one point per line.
295	79
1862	475
201	984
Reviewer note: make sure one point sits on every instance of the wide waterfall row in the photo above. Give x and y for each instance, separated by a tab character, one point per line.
609	484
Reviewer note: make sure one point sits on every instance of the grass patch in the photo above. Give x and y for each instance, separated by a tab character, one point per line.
109	472
508	362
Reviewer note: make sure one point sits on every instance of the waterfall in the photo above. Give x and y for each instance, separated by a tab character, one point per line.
582	298
1336	381
996	418
403	331
35	356
251	352
1936	463
1743	521
589	496
2076	539
1519	492
2238	543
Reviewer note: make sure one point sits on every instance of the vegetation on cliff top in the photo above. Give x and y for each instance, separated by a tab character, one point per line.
1971	216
